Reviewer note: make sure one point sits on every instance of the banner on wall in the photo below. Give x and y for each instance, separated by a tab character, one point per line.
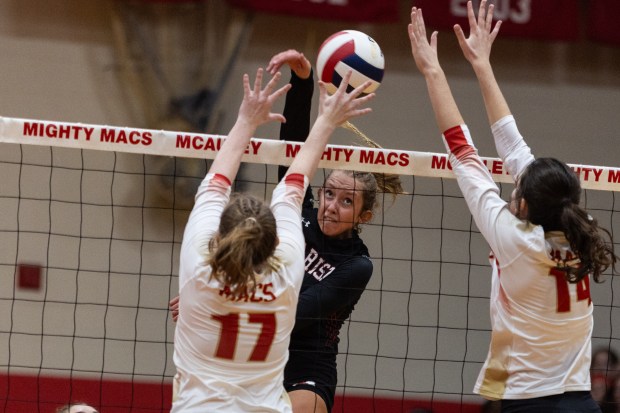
539	19
603	21
377	11
173	1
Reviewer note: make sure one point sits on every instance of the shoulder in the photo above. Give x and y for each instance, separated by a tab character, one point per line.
362	266
517	237
364	263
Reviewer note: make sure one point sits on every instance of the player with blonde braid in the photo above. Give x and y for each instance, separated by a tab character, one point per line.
241	266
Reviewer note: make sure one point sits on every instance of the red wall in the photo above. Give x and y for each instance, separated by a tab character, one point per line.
43	394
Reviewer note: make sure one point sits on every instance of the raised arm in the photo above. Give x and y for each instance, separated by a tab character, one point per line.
334	110
472	175
510	145
447	114
298	101
254	111
477	51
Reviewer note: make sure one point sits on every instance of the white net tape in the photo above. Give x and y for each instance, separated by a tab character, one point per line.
262	151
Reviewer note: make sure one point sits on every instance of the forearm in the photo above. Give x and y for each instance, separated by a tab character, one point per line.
511	146
307	160
228	159
494	101
446	111
297	108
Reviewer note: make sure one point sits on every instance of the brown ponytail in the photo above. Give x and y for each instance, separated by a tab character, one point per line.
552	191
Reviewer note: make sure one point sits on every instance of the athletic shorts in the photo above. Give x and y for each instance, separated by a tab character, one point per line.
306	371
569	402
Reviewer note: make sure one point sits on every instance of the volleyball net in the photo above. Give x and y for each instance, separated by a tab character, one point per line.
91	226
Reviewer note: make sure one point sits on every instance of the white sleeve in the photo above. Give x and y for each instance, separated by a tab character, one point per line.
511	146
286	206
211	199
489	210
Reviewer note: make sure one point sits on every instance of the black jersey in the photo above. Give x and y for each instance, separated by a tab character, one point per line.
336	270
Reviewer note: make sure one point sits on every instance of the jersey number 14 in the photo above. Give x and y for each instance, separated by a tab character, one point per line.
563	295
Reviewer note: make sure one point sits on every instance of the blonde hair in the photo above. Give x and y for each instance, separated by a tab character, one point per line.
244	244
385	183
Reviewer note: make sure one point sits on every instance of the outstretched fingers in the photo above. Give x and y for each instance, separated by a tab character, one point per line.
257	101
423	49
481	14
272	96
258	81
477	46
343	105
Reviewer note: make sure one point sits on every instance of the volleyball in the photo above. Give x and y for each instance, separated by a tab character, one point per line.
350	50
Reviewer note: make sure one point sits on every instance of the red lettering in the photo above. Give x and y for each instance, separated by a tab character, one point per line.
347	154
147	138
198	143
107	135
227	343
30	129
210	145
583	290
404	159
51	130
366	156
253	297
255	146
122	137
183	141
64	131
132	137
266	336
380	158
497	167
292	150
242	297
562	285
440	162
614	176
267	291
563	295
225	291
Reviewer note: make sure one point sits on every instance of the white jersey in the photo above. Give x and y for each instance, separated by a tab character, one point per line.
541	324
230	353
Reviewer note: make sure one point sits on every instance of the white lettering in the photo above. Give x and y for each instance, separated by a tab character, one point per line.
520	13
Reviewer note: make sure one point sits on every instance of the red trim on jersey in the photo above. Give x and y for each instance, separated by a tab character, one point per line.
295	179
340	53
222	178
457	142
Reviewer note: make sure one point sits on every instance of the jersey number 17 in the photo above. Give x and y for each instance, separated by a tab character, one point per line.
229	335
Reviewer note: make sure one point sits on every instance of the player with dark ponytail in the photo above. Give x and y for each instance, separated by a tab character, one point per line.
544	246
552	192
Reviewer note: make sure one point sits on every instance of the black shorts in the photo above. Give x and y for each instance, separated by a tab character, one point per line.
569	402
307	371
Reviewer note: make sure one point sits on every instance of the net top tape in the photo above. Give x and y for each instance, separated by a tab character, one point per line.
262	151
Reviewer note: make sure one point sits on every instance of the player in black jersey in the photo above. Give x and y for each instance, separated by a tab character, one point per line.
337	266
